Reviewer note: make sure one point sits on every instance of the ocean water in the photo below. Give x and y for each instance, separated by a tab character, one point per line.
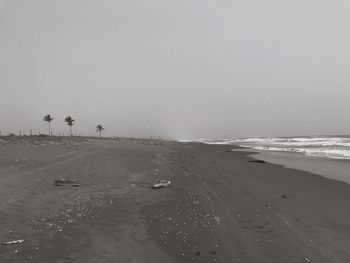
328	147
327	156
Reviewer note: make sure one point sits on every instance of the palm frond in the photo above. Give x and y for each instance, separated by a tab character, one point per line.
69	121
99	128
48	118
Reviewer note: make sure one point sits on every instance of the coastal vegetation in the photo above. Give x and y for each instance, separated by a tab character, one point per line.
70	122
99	129
49	118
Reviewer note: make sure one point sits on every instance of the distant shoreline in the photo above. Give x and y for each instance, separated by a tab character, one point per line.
335	169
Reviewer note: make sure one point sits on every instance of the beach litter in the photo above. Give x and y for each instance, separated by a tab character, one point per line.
62	182
286	196
161	184
13	242
257	161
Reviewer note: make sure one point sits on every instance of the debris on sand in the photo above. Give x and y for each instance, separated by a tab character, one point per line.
13	242
257	161
161	184
285	196
62	182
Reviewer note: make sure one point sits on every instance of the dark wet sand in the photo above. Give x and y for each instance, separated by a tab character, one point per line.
220	207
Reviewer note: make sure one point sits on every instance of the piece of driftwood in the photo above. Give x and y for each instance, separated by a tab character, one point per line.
13	242
257	161
62	182
161	184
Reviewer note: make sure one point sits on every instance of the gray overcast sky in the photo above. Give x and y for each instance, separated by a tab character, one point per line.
181	69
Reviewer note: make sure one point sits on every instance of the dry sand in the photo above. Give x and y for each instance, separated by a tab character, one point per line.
220	207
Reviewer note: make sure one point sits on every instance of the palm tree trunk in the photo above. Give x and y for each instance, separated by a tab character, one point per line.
49	128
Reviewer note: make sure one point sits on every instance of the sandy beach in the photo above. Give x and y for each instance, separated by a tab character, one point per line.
221	207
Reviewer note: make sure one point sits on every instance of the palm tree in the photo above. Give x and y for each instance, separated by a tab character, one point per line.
48	118
70	123
99	129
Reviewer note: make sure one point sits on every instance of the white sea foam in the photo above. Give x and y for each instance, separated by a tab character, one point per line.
337	147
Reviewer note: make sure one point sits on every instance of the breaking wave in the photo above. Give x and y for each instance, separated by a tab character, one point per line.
331	147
